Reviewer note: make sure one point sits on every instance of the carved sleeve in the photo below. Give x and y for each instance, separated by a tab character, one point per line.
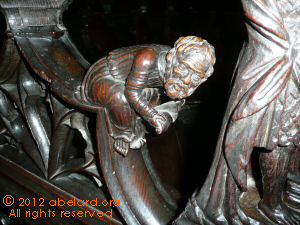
137	81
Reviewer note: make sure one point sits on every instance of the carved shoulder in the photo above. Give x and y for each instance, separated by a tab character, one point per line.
145	59
120	61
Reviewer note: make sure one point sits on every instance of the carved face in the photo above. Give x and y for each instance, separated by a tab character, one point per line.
183	80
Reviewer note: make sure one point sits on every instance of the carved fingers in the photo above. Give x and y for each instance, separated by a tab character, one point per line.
121	146
161	122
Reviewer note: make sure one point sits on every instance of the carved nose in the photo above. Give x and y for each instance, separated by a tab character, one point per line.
186	80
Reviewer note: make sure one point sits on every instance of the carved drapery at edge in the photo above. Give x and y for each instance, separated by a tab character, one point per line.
263	111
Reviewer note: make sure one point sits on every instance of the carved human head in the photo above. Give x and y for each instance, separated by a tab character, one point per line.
189	64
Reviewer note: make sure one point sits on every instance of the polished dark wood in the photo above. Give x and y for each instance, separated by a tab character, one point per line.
49	94
262	117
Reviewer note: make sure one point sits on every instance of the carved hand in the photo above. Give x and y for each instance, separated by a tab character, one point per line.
161	122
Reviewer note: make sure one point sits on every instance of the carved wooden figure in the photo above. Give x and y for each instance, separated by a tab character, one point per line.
45	96
263	111
126	83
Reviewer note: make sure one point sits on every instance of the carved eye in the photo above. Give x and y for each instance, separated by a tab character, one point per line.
182	69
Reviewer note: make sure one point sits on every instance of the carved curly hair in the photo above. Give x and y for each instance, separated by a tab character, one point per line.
196	51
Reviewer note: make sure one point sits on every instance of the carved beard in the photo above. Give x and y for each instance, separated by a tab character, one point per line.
175	89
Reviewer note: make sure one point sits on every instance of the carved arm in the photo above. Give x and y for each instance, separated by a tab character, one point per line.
136	82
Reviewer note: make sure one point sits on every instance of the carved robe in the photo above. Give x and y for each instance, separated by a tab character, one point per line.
120	82
263	110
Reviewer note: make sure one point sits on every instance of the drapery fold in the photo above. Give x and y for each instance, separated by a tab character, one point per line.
266	78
